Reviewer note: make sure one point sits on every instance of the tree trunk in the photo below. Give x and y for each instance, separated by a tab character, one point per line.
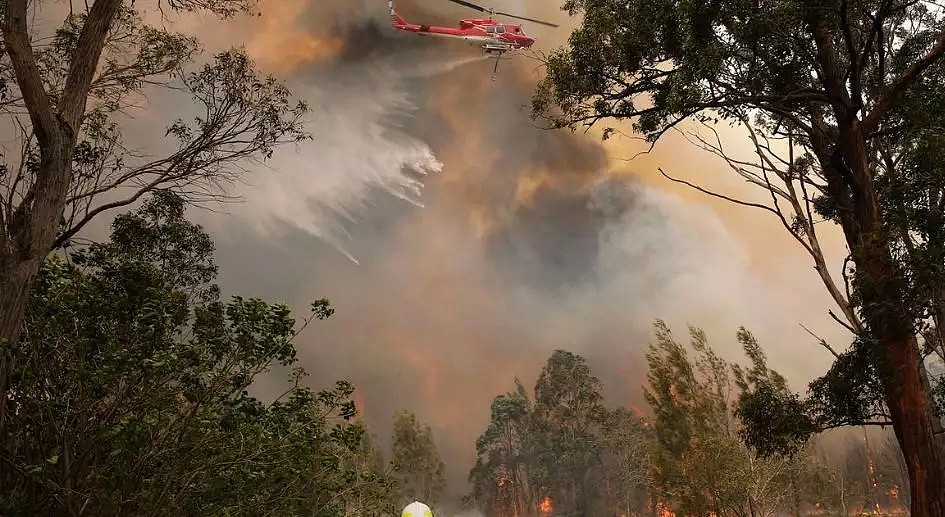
897	357
880	285
32	232
15	281
31	229
911	412
28	236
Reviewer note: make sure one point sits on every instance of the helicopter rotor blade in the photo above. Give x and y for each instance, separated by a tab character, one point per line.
549	24
486	10
471	5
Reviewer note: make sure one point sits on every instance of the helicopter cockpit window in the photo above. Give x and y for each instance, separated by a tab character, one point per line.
500	29
490	29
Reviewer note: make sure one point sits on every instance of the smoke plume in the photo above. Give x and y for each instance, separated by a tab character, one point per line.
482	242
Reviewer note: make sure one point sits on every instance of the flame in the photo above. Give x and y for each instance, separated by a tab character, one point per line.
360	403
546	506
663	511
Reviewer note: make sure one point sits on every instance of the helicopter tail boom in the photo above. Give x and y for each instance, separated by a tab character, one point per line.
398	20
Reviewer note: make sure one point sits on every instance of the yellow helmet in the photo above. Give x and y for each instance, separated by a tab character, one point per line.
417	509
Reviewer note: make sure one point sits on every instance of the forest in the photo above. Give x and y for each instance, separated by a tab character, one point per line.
130	378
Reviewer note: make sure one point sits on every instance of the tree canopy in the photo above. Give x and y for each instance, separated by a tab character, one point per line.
686	454
840	101
417	463
130	393
550	450
65	93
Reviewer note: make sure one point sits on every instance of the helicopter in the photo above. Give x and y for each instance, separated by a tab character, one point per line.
494	38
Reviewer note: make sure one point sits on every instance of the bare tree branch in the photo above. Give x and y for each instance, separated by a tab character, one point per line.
822	341
717	195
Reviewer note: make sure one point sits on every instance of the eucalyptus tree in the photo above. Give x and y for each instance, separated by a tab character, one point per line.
417	463
63	93
842	101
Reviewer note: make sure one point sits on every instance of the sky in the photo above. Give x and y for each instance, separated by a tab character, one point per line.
461	244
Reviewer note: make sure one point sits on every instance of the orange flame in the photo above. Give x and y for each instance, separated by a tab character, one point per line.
663	511
546	507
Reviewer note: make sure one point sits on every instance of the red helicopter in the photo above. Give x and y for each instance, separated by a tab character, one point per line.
491	36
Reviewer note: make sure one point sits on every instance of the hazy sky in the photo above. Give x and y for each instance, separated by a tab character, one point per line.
461	244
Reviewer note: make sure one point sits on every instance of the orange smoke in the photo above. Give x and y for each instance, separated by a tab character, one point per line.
281	45
284	52
479	176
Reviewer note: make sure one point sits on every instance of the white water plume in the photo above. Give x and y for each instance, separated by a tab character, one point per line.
359	145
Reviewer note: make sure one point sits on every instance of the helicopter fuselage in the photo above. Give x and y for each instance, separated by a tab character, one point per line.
485	33
495	38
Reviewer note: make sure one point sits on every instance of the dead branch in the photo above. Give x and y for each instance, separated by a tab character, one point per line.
717	195
821	341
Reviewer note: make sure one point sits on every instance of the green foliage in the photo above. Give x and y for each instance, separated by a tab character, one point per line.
663	61
376	489
417	463
134	55
843	102
775	421
239	114
850	392
774	418
659	62
625	457
502	477
564	448
568	422
699	464
563	445
129	392
240	102
939	392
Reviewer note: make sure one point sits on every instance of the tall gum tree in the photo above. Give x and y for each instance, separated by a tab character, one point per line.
842	101
63	92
